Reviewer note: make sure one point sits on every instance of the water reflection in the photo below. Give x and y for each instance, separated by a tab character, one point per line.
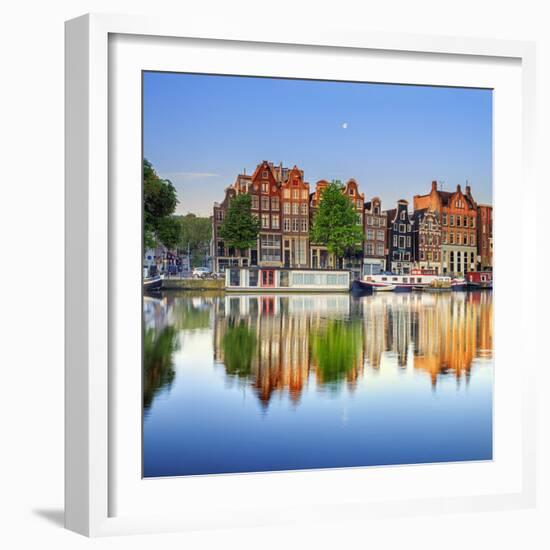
383	354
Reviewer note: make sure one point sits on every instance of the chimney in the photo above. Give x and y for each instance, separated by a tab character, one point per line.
458	188
468	190
434	185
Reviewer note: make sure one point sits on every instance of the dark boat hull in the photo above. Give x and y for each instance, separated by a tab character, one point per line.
152	283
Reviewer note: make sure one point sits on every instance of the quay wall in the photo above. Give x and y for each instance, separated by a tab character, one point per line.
193	284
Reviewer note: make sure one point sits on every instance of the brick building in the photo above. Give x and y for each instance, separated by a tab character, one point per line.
458	213
400	239
375	249
485	237
427	240
295	219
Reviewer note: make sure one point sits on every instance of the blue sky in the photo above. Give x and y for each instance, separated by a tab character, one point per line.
200	131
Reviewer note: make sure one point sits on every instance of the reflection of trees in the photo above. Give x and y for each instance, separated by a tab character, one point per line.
336	350
158	366
288	331
239	344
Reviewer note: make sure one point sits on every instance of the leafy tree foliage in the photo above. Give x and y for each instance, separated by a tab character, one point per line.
240	228
336	223
159	202
195	234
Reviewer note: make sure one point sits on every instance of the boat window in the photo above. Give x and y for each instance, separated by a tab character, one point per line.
253	278
234	277
405	280
384	278
419	279
394	278
284	279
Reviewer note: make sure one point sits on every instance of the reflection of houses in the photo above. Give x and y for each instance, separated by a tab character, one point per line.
282	328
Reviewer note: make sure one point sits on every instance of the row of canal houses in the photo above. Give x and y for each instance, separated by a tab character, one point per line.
446	232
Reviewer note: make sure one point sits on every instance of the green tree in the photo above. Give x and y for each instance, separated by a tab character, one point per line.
336	223
240	228
168	231
159	202
195	235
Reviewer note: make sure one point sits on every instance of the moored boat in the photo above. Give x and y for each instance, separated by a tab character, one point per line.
416	280
459	283
479	280
276	279
152	283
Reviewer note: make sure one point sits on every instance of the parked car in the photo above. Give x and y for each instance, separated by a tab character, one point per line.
201	272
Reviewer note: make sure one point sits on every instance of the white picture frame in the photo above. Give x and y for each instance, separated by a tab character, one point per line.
93	216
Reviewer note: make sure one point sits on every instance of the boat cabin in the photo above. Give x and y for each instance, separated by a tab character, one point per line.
269	279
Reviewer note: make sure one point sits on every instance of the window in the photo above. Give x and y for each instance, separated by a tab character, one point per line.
369	249
421	254
359	204
295	208
370	220
295	194
275	221
265	221
286	193
234	277
253	277
295	226
472	221
402	228
458	221
380	235
379	249
402	242
444	219
219	214
286	224
370	234
255	202
472	240
275	203
444	238
284	278
265	203
304	225
305	194
452	220
408	242
452	235
270	247
303	209
286	208
402	215
395	227
264	174
382	222
407	256
265	187
395	240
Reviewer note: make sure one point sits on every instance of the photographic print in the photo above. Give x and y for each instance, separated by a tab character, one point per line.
317	274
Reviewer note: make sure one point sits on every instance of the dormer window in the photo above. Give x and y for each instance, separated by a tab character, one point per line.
264	174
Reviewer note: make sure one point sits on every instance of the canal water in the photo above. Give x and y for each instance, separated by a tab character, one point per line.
249	383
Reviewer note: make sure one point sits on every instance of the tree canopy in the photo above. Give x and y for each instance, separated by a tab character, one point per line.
159	203
195	234
336	224
240	228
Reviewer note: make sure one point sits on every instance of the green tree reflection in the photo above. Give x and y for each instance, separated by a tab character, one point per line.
336	350
158	362
239	345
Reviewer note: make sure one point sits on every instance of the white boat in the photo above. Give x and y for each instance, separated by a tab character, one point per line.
404	283
272	279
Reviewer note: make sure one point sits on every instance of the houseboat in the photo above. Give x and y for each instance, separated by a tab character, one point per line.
271	279
416	280
478	280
